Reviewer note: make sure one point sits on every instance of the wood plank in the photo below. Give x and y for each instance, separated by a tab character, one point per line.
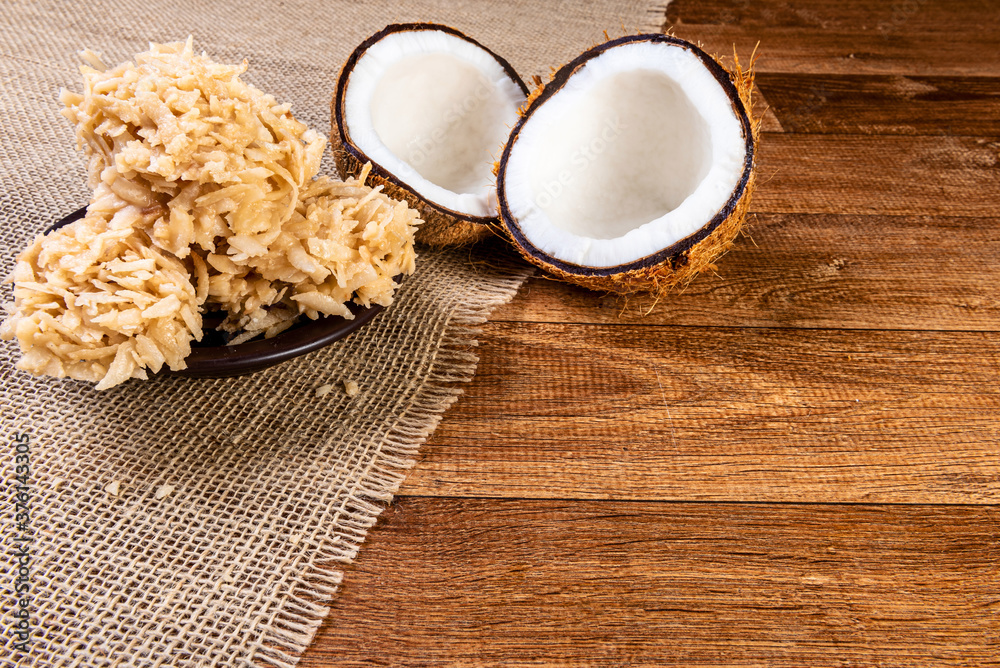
815	271
908	105
878	175
853	37
921	271
762	108
519	583
959	18
722	414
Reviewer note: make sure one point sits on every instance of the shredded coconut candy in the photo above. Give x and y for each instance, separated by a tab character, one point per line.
205	198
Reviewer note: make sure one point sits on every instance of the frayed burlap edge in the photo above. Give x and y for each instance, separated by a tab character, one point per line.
657	14
307	606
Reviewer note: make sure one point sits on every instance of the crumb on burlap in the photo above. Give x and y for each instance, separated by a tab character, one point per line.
324	390
163	491
351	388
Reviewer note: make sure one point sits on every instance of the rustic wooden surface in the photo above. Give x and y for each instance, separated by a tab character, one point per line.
796	462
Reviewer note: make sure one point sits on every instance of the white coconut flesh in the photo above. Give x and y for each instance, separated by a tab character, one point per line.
639	149
433	110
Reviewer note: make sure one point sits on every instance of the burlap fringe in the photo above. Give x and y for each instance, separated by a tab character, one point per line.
657	22
308	602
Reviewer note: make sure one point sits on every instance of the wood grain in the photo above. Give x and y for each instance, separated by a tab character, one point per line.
723	414
880	175
525	583
956	17
814	271
953	37
886	105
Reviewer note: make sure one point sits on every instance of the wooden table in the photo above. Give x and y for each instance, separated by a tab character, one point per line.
795	462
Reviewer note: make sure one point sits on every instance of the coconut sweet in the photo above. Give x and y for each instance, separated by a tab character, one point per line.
206	198
430	109
631	170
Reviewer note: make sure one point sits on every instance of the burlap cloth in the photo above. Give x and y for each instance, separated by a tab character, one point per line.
239	500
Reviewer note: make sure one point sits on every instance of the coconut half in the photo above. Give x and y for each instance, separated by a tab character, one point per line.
430	109
631	170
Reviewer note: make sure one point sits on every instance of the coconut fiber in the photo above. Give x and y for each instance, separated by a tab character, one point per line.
181	522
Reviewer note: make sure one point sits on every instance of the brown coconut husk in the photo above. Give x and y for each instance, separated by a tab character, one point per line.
675	267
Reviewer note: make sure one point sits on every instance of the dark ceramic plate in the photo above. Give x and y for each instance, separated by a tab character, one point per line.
211	358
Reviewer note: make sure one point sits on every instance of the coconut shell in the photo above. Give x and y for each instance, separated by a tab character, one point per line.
441	226
678	264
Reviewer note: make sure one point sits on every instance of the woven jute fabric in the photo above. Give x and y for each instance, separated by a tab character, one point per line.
180	522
